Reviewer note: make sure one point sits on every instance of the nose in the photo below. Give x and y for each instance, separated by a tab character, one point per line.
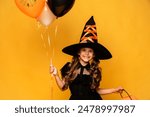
86	52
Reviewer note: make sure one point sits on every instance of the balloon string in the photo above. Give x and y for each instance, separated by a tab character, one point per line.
49	41
51	48
56	30
43	40
55	37
51	90
52	45
48	46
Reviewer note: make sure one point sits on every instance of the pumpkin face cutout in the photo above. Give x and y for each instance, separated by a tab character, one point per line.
32	8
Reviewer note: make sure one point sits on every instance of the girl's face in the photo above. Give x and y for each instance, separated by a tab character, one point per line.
86	54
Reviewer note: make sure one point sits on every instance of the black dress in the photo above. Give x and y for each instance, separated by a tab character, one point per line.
80	87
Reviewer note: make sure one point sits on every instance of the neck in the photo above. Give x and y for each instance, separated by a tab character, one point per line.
83	63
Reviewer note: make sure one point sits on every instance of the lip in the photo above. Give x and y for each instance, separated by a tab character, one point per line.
86	56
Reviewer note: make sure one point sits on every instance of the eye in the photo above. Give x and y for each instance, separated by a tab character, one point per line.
83	49
90	50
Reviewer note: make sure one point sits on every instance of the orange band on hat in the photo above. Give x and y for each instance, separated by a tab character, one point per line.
93	27
89	29
85	40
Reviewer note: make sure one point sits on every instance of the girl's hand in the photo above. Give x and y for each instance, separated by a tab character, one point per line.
119	89
53	70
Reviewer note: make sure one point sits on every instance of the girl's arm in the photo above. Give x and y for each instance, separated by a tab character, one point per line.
53	71
109	91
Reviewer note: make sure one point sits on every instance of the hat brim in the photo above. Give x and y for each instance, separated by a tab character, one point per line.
100	51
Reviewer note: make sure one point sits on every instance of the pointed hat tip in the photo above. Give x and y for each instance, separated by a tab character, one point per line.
92	18
91	21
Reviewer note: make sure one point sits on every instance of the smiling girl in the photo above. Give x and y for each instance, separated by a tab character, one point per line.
83	75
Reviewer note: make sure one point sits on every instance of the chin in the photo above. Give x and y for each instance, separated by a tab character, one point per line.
86	61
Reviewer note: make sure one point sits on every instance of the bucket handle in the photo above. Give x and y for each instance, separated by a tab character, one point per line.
126	93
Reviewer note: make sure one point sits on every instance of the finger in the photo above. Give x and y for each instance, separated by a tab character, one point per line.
51	69
55	71
120	91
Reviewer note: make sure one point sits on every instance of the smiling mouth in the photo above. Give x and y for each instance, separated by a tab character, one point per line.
86	57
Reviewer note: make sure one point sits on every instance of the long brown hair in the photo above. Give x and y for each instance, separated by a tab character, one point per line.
95	72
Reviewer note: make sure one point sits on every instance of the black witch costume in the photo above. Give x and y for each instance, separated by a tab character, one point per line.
80	87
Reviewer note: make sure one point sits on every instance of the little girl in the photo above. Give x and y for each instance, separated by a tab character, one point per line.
83	75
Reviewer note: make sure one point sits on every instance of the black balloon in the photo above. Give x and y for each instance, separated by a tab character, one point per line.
60	7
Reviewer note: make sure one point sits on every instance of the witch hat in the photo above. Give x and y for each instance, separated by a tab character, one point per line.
89	39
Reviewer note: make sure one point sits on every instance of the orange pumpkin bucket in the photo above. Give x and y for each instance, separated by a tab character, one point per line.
128	96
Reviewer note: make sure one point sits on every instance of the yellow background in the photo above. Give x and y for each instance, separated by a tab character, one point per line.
123	27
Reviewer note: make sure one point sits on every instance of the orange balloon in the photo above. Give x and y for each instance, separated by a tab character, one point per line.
32	8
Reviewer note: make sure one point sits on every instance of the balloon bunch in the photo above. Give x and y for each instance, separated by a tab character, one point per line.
45	11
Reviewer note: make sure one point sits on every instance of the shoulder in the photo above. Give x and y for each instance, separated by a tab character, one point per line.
65	68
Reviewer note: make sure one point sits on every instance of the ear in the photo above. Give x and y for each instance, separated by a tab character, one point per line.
93	55
78	53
